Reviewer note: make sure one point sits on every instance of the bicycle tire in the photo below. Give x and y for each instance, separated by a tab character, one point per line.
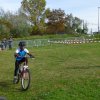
25	77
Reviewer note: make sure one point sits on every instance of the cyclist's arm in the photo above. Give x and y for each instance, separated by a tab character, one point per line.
31	55
26	50
16	55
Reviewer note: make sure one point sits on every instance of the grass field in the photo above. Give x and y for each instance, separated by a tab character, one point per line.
59	72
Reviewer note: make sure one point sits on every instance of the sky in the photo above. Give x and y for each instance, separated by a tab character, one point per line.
86	10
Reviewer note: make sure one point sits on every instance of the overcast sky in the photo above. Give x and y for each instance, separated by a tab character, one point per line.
84	9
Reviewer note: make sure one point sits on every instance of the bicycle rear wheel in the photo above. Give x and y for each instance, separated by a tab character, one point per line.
25	80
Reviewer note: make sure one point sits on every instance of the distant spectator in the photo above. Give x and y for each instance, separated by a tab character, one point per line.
10	42
2	45
5	43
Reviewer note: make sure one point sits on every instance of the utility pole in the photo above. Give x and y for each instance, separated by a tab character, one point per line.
98	19
83	26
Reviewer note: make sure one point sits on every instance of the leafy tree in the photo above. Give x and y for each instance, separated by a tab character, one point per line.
85	28
76	24
73	24
55	21
34	10
69	24
5	25
21	27
4	29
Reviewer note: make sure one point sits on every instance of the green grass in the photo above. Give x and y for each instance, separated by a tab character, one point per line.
59	72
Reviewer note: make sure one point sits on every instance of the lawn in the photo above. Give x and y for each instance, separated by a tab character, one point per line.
59	72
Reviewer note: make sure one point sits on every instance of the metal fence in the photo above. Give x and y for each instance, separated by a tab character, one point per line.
32	43
46	42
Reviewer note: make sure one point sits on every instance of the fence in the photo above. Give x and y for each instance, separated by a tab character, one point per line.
32	43
74	40
46	42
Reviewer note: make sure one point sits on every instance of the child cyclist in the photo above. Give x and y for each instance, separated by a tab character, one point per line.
20	54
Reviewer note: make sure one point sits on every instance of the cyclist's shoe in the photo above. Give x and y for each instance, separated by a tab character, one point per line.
15	80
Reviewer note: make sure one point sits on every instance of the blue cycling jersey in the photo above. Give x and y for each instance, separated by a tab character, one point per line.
21	53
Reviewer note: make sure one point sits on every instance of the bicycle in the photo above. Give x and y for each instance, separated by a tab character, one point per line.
23	74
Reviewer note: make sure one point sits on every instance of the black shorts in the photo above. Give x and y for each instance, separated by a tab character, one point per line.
20	61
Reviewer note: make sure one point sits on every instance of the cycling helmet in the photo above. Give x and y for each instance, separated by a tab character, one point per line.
22	44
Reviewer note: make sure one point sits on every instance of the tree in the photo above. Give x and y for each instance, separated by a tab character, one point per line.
5	25
73	24
21	26
55	21
69	24
34	10
76	24
4	28
85	28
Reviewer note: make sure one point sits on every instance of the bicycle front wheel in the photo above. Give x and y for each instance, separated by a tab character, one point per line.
25	80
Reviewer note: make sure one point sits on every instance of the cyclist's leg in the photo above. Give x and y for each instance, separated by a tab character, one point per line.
15	71
16	67
25	60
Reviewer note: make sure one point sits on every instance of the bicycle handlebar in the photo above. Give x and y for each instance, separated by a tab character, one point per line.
30	56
